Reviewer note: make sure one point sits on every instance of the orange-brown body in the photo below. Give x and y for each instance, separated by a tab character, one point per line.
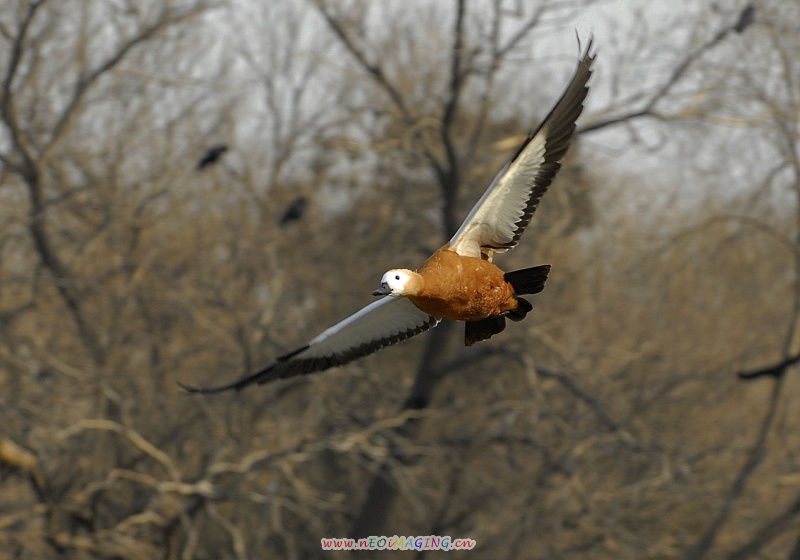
462	288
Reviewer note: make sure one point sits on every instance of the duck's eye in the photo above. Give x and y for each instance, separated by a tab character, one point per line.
397	277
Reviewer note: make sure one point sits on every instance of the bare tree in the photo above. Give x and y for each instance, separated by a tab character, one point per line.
610	426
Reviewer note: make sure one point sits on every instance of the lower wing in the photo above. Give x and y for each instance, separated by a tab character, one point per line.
385	322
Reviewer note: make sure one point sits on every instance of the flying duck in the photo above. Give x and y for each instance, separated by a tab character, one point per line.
459	282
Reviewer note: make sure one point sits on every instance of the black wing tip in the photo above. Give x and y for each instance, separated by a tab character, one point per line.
568	107
267	374
192	390
559	126
216	389
237	385
587	56
260	377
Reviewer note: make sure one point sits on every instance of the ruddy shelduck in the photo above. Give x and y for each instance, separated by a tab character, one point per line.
459	282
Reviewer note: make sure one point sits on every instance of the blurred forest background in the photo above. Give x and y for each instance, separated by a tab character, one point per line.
646	408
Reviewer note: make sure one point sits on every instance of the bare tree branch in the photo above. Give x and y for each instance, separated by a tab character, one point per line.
26	167
649	109
168	18
755	457
134	437
774	370
372	68
570	385
767	533
449	178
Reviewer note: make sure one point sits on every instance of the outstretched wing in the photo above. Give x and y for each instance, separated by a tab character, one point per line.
387	321
497	221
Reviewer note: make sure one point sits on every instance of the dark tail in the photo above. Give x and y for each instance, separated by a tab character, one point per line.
525	281
475	331
528	280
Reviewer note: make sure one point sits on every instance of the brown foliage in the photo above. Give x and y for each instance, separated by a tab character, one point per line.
609	424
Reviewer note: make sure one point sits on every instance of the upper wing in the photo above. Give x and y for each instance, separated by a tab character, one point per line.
497	221
386	321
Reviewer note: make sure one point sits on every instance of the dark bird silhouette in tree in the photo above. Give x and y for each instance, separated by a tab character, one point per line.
212	156
294	211
746	18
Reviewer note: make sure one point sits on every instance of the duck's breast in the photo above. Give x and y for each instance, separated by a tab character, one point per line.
462	288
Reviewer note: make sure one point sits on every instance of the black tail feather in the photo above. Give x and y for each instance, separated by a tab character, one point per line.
475	331
528	280
523	308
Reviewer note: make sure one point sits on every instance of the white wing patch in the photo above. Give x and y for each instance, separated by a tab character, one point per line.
494	220
374	326
497	221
